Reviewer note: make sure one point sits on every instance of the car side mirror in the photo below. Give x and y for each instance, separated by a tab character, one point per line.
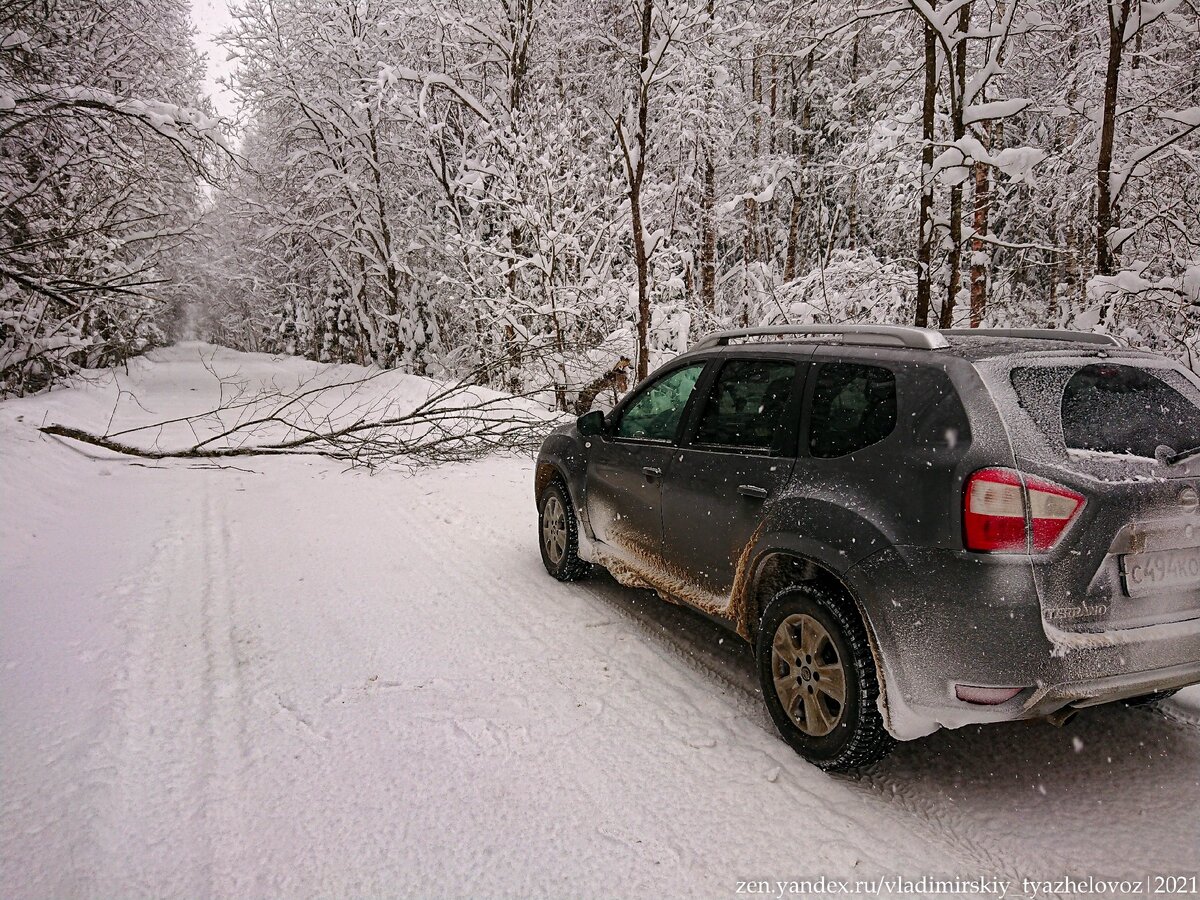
591	424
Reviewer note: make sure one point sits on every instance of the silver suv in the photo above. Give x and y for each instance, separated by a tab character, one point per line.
914	528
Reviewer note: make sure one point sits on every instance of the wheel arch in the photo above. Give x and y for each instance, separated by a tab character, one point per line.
778	568
564	458
545	473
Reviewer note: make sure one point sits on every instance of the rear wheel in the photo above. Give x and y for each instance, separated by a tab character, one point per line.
558	533
819	681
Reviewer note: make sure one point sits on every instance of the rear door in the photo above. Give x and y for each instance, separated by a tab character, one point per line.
626	465
1105	428
736	457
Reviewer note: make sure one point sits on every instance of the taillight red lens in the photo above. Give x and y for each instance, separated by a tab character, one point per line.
995	511
1051	509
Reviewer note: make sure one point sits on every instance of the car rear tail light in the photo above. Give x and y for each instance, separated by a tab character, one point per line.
985	696
1004	510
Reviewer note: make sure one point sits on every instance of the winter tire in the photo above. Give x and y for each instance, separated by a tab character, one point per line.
558	534
819	681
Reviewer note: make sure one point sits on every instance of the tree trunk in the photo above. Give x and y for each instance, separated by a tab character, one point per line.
852	200
708	235
708	200
756	99
925	217
643	283
804	145
981	252
1053	262
789	265
979	268
793	107
852	216
1105	263
771	109
751	252
959	74
615	378
641	257
519	31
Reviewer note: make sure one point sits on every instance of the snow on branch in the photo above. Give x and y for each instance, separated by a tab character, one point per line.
953	164
1189	118
170	121
369	421
390	75
993	109
1143	15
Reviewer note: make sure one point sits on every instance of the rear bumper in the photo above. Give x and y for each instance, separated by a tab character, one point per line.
1079	694
979	623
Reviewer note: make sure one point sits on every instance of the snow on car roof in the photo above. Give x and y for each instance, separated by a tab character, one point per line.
980	347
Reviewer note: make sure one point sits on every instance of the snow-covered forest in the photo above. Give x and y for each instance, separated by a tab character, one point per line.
430	185
279	615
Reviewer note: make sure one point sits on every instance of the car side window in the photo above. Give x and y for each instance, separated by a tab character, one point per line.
853	406
655	413
745	406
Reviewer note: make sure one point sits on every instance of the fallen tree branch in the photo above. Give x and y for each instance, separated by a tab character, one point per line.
96	440
340	420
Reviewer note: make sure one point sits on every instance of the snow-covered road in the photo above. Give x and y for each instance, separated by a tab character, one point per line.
281	678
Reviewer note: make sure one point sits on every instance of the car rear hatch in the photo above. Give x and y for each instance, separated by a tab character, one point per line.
1106	427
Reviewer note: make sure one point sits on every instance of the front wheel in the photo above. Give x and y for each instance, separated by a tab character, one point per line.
819	681
558	533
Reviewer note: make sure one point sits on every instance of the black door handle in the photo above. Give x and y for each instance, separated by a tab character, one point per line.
752	490
651	472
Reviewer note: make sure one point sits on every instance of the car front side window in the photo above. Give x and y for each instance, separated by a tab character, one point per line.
654	415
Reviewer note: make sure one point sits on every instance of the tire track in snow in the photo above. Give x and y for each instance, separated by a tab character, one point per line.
996	761
688	637
504	720
677	710
146	826
224	710
166	820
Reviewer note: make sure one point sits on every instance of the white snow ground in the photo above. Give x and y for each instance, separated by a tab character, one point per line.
288	679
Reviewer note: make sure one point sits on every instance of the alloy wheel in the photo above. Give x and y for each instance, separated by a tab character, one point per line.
554	529
809	675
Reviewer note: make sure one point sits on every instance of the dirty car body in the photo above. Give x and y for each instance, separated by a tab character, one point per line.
1011	516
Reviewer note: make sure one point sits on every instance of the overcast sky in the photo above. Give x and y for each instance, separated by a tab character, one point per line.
210	18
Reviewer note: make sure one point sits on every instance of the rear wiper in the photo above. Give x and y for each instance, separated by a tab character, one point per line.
1175	458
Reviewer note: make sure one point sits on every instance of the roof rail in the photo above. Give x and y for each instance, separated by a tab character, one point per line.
879	335
1040	334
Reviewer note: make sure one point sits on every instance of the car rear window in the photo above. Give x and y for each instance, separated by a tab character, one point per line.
853	406
745	408
1112	408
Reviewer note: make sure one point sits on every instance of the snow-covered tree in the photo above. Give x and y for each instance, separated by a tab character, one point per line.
105	142
434	184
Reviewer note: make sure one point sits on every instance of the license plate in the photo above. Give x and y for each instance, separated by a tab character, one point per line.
1163	570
